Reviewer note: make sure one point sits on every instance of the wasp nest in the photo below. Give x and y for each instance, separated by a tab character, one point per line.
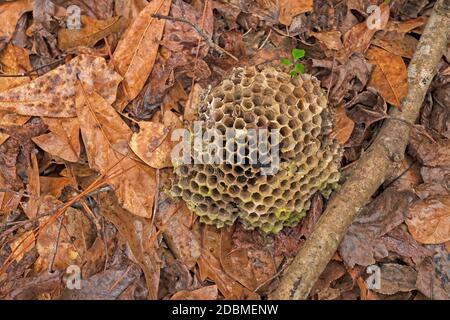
309	158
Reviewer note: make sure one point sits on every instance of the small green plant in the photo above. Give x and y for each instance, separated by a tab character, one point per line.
298	67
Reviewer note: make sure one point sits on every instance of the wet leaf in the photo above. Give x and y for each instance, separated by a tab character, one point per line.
429	220
136	53
389	75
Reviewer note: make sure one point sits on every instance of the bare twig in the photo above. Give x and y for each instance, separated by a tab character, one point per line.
200	31
375	166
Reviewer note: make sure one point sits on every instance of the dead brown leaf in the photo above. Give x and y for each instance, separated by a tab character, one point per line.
429	220
181	235
331	39
389	76
362	241
396	277
344	125
210	268
53	185
136	53
398	44
290	8
10	12
65	242
140	236
62	140
204	293
106	137
53	94
91	32
153	144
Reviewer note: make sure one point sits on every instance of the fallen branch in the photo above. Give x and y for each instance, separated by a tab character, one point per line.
373	168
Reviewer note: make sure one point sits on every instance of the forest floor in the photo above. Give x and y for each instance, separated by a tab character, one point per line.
84	87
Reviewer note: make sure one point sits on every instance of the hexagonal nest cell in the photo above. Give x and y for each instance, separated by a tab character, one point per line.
220	192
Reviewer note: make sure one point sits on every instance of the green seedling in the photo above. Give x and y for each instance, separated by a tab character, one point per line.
298	67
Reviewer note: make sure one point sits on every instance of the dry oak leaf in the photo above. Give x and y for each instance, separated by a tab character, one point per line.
429	220
53	94
106	137
358	38
136	52
92	32
389	76
290	8
63	140
10	12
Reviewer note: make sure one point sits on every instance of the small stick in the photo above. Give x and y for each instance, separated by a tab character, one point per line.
200	31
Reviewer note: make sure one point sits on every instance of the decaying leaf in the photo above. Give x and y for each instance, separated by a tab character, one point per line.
389	75
153	144
136	53
53	94
63	244
62	140
362	243
140	236
344	125
106	137
429	220
291	8
357	39
204	293
10	12
91	32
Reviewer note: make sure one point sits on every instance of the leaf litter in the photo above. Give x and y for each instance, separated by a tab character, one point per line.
86	117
